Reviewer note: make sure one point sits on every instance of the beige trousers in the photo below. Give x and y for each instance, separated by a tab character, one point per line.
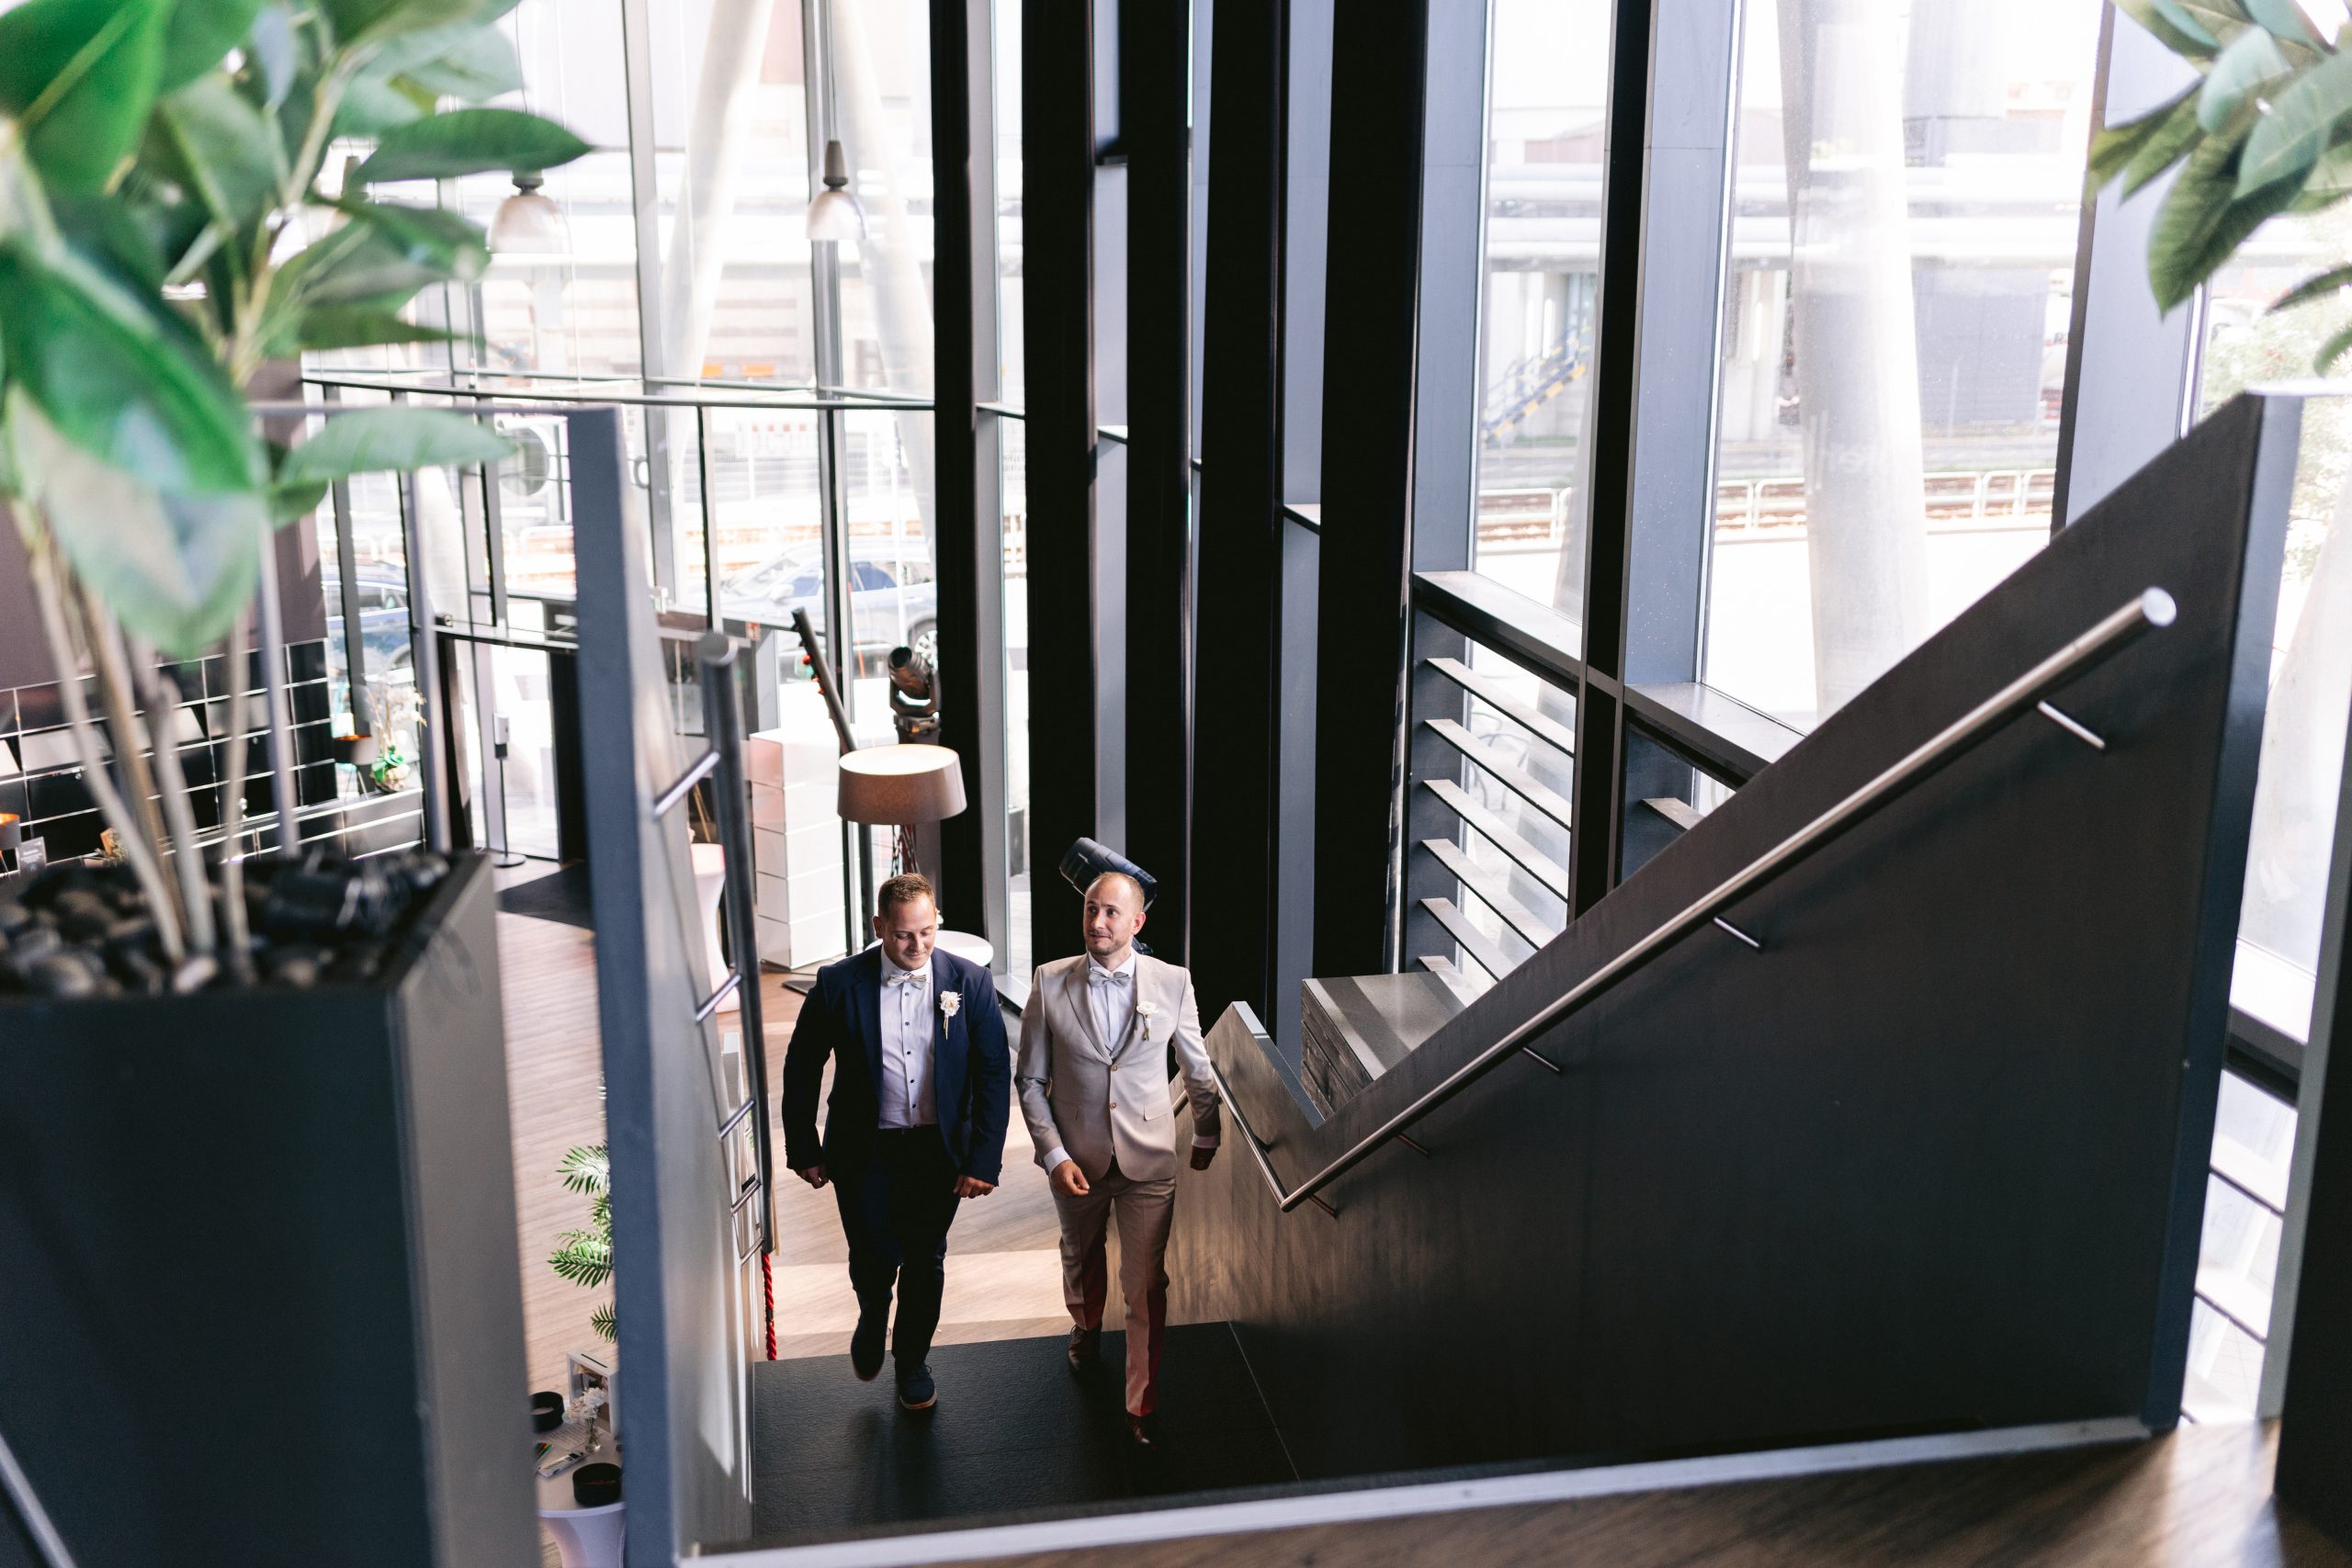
1143	1211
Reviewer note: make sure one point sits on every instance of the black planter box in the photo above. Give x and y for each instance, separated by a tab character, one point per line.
259	1299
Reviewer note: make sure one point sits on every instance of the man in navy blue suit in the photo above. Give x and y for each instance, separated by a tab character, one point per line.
922	1083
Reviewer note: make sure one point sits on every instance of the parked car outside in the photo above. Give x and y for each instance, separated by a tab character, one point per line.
893	601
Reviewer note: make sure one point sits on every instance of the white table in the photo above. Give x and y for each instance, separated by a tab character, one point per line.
586	1537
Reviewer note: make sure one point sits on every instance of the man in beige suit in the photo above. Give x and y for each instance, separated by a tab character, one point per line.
1095	1087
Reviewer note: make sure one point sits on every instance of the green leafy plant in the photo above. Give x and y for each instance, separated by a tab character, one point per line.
164	234
2265	129
585	1256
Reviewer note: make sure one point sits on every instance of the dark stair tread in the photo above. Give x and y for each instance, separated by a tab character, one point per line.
1015	1434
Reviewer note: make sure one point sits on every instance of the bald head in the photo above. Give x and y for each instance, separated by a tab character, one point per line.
1117	885
1114	915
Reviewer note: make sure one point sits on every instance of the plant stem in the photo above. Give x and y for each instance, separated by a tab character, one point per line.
232	803
159	698
50	595
132	742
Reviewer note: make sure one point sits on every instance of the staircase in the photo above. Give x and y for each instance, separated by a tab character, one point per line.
1836	1121
1535	381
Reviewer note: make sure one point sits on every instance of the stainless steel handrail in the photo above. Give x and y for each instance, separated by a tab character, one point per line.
2152	607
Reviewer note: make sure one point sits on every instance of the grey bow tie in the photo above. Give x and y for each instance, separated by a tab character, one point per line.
905	977
1109	977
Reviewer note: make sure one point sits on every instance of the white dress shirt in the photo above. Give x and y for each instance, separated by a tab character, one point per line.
1111	997
907	1025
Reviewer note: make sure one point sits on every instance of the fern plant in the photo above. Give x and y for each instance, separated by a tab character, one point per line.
585	1256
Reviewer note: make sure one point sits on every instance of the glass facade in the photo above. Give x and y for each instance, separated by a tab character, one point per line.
1547	112
1907	200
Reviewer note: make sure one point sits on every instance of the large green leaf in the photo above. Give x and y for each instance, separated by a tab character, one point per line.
2202	20
480	66
200	35
357	326
394	439
2320	285
275	53
79	77
115	382
2203	221
2305	118
2173	141
449	241
2114	147
380	258
2251	62
469	142
174	568
370	107
374	22
223	149
2284	18
2189	41
2334	349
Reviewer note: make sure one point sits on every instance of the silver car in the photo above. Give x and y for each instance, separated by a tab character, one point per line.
893	601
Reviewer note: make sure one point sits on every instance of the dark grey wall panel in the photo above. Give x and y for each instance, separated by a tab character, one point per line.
258	1267
674	1283
1934	1157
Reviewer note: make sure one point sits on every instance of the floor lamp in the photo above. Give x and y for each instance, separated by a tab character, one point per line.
900	787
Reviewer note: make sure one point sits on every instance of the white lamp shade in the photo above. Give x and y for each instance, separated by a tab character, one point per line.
894	785
835	214
527	223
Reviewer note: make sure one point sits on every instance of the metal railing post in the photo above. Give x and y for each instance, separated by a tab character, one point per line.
723	717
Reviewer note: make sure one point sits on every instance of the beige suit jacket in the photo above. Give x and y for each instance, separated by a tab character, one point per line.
1100	1099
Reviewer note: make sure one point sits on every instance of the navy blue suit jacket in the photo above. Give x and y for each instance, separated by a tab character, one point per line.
971	1067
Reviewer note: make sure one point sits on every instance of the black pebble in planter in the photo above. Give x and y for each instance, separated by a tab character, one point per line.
259	1300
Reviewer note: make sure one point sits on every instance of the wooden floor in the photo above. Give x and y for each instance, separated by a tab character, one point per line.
2197	1499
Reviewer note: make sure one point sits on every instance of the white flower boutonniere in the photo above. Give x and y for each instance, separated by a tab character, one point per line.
950	1003
1147	1012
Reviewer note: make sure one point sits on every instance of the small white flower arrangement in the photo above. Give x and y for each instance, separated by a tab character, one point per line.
950	1003
1147	1012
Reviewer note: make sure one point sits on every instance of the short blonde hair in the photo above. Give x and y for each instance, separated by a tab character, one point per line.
904	889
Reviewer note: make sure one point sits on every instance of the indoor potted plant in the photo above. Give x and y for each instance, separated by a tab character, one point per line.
322	1050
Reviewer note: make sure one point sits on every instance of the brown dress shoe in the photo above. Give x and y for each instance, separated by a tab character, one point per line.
1143	1431
1085	1348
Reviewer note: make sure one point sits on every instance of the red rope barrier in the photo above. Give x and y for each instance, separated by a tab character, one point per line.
768	1289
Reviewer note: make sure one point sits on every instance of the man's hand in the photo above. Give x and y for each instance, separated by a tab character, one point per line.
1069	1181
1201	1156
973	1187
813	1175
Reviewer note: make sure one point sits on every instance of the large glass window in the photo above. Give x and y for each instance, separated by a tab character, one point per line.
1548	106
1010	317
1907	186
882	93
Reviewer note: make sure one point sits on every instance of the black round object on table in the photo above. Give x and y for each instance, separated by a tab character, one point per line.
593	1485
547	1412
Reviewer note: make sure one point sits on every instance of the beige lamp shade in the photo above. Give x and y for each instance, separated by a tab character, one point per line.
894	785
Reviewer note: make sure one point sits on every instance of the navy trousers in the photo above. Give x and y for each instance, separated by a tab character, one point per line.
896	1212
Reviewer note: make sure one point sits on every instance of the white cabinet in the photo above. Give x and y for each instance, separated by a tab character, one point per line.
796	833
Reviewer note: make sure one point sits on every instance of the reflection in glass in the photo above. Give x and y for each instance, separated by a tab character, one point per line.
2310	689
1906	193
1015	481
1547	111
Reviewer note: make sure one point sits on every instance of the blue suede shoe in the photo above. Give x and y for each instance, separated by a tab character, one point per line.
866	1348
916	1391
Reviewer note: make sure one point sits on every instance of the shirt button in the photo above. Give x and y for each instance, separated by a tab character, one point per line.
1114	1105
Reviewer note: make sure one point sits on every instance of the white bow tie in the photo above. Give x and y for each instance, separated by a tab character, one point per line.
1109	977
905	978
